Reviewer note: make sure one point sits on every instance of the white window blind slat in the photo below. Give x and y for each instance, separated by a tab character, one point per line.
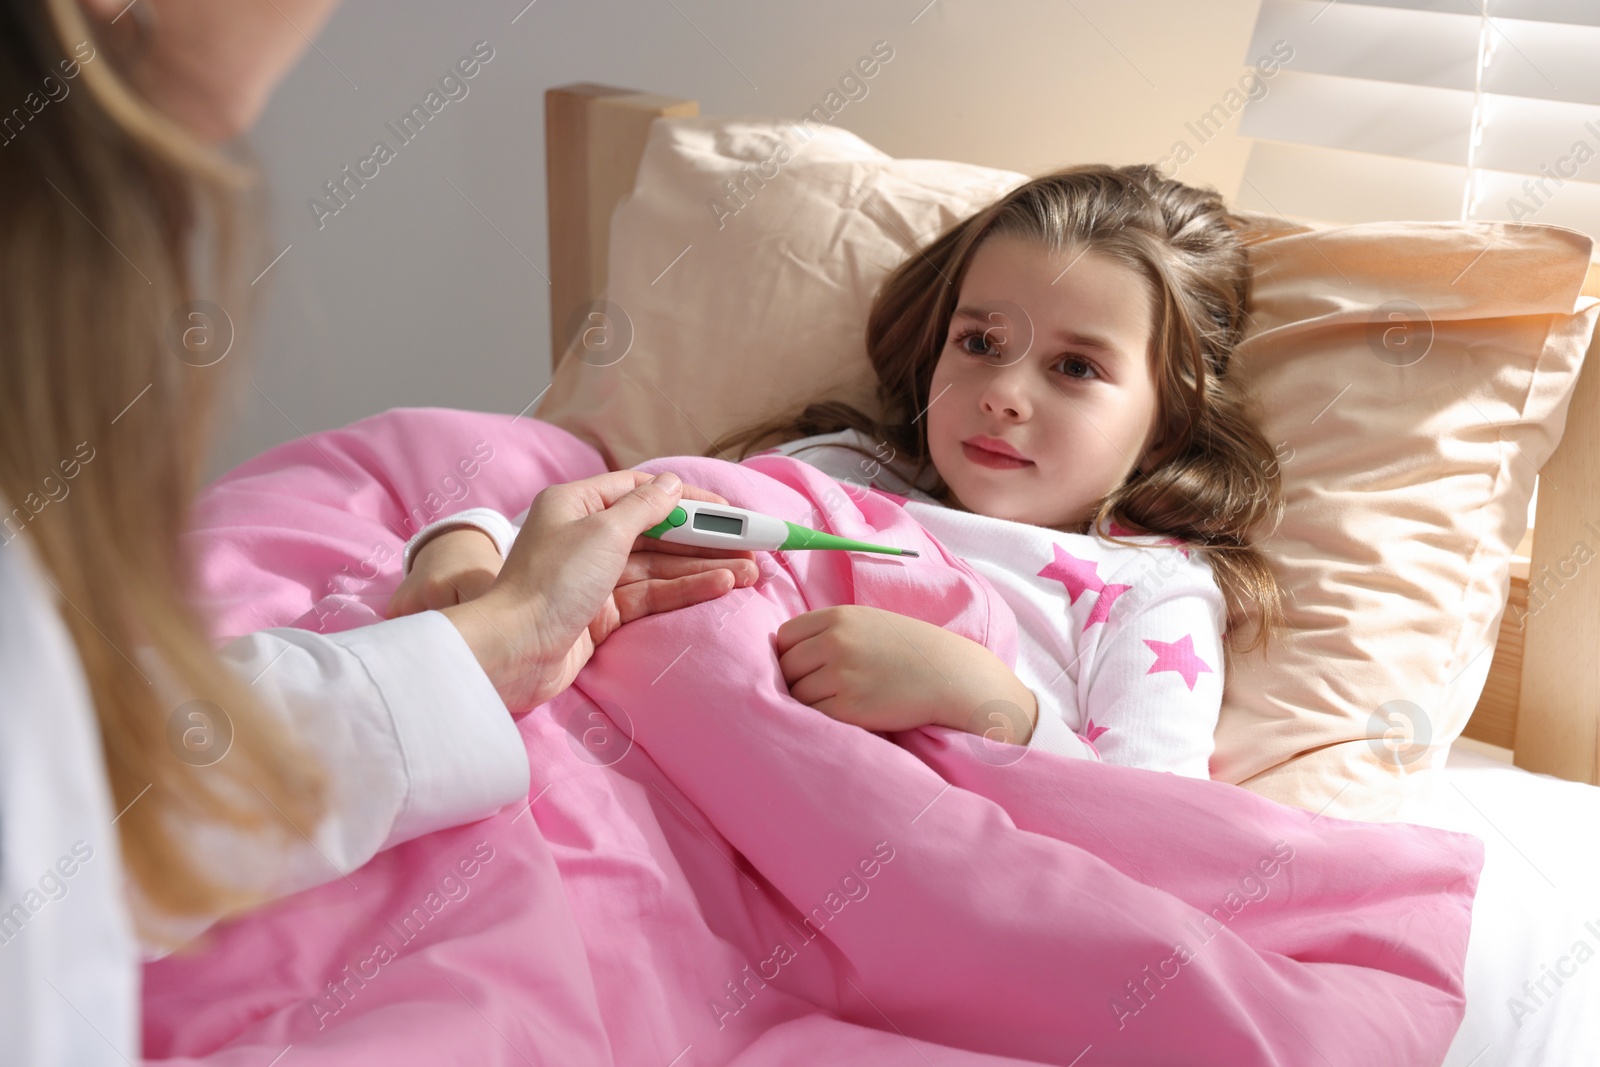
1517	198
1374	43
1572	12
1538	137
1544	60
1411	121
1328	185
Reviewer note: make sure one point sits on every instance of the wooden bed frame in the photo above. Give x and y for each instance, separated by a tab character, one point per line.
1542	697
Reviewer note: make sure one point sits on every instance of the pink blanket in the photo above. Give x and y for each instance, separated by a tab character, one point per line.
712	873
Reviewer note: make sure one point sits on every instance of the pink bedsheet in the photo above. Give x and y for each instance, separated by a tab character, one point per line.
712	873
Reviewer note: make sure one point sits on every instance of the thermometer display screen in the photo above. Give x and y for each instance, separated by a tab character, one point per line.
725	524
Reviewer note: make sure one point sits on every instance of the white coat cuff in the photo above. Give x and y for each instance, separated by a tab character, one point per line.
463	754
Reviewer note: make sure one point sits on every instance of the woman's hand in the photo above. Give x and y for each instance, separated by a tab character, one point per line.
884	671
579	569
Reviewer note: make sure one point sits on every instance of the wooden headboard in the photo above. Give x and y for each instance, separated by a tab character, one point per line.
1542	697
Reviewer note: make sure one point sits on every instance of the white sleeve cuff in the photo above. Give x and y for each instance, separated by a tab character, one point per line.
1052	734
463	754
490	521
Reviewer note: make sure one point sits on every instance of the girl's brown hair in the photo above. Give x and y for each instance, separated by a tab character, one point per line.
1217	483
108	211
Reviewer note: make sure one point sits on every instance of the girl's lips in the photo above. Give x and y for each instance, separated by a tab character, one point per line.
993	460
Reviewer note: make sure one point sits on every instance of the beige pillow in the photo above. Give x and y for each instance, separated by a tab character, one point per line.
1415	376
727	318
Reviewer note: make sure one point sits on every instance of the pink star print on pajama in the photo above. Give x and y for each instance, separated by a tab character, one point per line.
1178	656
1149	627
1082	575
1079	575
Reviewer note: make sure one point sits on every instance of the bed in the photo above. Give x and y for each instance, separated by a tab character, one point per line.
706	872
1523	779
1540	711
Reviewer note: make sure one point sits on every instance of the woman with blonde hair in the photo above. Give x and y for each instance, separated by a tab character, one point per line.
116	209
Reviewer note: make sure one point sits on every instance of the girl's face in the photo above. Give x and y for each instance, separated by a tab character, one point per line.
1051	356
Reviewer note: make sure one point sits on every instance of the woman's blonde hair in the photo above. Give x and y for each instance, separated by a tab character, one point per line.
113	220
1217	484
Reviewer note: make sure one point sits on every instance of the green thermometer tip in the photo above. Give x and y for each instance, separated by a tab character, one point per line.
801	537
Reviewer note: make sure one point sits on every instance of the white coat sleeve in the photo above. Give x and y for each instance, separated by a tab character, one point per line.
410	731
69	961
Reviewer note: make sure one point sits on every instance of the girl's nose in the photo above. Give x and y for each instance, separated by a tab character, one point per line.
1004	394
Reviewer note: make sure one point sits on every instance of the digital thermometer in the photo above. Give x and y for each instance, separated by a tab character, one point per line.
707	525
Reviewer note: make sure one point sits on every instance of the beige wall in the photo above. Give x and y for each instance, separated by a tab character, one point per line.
424	289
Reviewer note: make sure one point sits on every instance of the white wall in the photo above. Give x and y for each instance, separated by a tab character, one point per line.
410	296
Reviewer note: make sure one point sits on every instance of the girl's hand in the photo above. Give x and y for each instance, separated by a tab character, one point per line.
884	671
451	567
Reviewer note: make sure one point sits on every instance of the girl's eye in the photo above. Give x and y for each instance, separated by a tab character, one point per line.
1068	361
983	336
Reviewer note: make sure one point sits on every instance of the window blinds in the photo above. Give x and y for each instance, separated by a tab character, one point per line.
1428	109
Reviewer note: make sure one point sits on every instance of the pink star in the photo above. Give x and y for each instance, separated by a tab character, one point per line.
1181	546
1178	656
1102	604
1074	573
1089	734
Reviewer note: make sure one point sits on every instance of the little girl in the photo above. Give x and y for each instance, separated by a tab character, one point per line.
1056	410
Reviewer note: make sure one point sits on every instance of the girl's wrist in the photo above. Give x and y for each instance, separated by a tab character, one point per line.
1030	711
997	704
1010	718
